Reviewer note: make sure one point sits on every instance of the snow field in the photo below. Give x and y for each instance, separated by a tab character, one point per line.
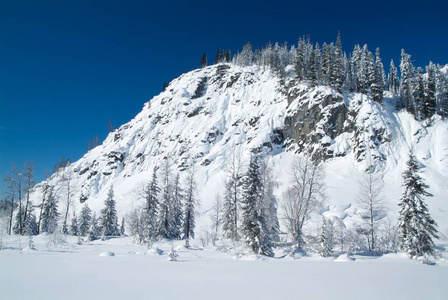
72	271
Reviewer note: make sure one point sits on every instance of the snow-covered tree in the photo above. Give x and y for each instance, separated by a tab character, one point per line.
176	209
232	196
429	102
269	204
50	214
442	93
94	230
394	82
253	222
407	82
149	216
416	226
337	67
85	220
370	201
165	224
189	206
108	218
325	249
74	226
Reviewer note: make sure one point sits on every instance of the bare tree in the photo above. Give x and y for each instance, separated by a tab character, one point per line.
29	170
189	222
10	192
307	193
371	203
67	179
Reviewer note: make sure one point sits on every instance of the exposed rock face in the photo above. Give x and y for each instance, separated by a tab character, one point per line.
316	116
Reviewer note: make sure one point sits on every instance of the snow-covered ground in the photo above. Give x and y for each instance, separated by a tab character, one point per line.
87	271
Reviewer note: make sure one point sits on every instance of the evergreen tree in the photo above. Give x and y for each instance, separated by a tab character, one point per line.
380	70
232	197
109	219
30	222
325	65
164	221
394	82
300	65
253	222
418	95
324	242
175	209
149	215
313	73
74	225
406	83
85	221
204	60
416	227
429	103
218	57
50	214
268	210
337	68
122	229
189	207
94	230
442	93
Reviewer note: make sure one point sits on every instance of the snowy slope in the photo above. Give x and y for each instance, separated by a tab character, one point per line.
205	115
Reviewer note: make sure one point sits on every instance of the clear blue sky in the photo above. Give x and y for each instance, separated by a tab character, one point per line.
67	67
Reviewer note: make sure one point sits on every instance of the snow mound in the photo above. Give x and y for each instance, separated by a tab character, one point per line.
155	251
107	253
344	258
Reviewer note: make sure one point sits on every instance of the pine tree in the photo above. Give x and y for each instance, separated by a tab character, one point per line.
442	93
337	68
50	214
74	227
394	82
109	219
380	70
94	230
232	197
406	83
149	215
189	207
85	221
252	218
122	227
164	221
324	242
204	60
30	222
429	103
418	95
325	65
416	227
175	209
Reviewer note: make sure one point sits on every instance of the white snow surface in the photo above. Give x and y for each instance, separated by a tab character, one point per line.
205	115
71	271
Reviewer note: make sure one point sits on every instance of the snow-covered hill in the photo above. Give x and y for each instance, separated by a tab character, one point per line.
205	115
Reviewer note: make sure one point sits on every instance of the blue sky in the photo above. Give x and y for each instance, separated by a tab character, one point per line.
67	67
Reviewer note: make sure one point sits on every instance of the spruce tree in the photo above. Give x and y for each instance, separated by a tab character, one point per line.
407	82
416	227
429	103
94	230
189	222
149	215
109	219
175	209
50	214
441	93
74	227
337	68
85	221
253	221
394	82
204	60
324	242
